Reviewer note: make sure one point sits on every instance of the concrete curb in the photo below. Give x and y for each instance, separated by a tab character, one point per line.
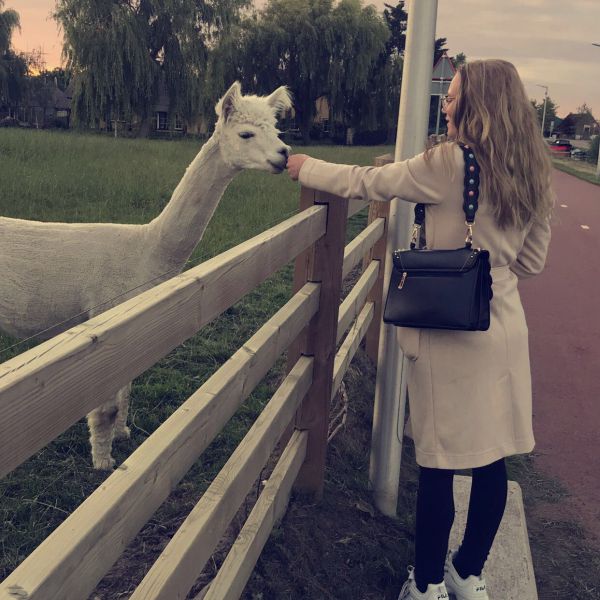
509	569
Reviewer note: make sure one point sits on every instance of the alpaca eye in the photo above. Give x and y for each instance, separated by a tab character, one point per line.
246	135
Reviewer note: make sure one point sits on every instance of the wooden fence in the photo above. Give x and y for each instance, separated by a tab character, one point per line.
50	387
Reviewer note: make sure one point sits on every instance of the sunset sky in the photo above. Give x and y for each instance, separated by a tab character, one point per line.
549	41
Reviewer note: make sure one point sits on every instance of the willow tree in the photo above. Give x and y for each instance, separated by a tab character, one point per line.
13	68
359	43
123	53
317	48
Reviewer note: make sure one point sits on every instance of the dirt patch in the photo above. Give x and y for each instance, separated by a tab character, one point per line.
343	549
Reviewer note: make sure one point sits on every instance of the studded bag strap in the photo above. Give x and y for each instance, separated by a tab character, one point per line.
470	200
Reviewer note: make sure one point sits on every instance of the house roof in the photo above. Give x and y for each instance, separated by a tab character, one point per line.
575	118
60	100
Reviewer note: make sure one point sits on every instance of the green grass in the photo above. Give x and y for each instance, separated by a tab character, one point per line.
73	177
582	170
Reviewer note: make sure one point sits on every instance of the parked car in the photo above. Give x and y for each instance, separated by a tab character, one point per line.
579	154
561	147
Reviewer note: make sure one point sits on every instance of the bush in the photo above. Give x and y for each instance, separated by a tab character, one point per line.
592	154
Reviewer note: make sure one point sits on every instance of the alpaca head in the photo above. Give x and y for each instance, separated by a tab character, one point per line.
248	136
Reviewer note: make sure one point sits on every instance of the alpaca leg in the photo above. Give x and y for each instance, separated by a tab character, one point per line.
122	432
101	422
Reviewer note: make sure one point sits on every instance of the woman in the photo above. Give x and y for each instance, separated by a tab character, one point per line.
469	392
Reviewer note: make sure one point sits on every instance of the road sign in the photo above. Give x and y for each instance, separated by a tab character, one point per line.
443	72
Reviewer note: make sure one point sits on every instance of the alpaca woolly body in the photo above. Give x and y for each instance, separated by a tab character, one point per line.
50	272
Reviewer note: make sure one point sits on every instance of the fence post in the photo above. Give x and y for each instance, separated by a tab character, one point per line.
378	252
322	263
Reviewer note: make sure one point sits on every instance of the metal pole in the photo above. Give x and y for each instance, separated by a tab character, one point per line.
439	108
598	163
545	102
544	113
390	389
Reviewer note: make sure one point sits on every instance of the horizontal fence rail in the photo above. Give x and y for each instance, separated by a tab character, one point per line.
356	298
71	561
182	561
361	244
270	507
50	387
45	390
348	349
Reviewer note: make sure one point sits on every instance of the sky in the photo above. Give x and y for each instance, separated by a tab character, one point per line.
549	41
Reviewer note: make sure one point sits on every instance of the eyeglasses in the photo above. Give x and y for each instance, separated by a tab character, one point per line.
447	100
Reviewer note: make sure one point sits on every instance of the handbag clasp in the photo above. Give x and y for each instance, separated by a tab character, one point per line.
469	238
416	234
401	284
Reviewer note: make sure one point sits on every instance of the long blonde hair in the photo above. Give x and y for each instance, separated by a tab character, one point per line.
494	116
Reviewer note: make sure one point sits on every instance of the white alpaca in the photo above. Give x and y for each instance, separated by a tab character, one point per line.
50	272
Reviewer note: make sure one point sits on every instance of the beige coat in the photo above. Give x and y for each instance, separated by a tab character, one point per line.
469	391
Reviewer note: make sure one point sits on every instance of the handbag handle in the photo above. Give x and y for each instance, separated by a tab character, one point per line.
470	200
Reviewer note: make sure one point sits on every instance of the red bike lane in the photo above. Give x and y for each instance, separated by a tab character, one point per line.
563	314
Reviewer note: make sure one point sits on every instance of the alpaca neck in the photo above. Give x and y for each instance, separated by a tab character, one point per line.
180	226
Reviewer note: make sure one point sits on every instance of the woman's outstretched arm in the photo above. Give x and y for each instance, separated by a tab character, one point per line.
416	180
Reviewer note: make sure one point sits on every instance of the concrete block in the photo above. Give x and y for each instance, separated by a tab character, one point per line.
509	568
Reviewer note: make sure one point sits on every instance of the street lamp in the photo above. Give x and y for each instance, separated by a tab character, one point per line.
598	163
545	102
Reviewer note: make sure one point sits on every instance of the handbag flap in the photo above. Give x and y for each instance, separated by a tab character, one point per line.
459	260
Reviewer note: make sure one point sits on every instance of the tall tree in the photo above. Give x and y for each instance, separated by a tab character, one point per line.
396	19
316	48
583	109
13	67
122	53
459	60
551	108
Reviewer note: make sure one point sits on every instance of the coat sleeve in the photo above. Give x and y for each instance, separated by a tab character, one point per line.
532	256
415	180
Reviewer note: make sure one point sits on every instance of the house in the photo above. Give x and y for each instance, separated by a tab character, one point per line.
579	126
45	105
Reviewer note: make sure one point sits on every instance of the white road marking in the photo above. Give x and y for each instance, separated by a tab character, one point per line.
564	205
584	227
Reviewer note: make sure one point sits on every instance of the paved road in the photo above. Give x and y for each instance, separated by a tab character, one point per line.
563	313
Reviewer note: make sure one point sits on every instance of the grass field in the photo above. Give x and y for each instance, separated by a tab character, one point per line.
69	177
340	549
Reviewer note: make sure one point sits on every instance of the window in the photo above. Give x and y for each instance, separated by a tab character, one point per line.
162	123
178	123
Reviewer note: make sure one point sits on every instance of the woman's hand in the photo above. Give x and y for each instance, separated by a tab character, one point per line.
294	164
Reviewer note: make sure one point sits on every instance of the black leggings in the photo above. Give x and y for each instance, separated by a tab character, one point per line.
435	515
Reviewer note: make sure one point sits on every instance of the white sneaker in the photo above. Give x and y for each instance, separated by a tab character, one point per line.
471	588
409	591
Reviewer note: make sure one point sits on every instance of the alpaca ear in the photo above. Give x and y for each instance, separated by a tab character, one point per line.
226	105
280	100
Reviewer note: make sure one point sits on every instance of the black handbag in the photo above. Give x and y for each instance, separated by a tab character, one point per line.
443	289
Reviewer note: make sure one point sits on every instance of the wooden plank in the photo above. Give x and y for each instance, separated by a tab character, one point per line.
48	388
319	341
377	211
348	349
361	244
355	300
71	561
270	507
355	206
180	563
